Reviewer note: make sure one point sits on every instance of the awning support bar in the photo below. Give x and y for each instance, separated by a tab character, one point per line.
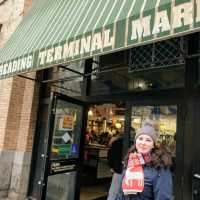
32	79
71	70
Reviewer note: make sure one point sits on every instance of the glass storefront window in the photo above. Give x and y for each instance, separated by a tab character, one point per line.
164	120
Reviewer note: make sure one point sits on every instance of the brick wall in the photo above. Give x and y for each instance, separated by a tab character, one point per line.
5	93
18	111
12	89
21	114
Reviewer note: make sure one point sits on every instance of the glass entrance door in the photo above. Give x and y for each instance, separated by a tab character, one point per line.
64	149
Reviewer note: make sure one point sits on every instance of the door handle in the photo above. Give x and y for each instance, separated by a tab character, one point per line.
197	176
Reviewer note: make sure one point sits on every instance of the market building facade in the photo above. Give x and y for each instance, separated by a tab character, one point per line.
82	72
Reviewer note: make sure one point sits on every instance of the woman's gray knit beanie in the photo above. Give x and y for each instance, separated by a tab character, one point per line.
147	129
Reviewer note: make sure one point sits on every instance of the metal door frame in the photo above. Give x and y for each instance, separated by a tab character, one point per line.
50	126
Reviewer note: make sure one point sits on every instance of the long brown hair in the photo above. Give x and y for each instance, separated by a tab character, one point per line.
160	157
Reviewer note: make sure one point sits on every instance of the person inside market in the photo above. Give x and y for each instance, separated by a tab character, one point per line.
115	163
147	174
89	136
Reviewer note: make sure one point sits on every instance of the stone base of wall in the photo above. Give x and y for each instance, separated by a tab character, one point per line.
6	165
14	167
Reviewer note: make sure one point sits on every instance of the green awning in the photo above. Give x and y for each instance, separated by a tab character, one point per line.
60	31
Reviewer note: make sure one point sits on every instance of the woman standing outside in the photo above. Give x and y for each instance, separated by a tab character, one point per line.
147	173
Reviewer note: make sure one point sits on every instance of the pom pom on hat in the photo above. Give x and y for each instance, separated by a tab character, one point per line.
147	129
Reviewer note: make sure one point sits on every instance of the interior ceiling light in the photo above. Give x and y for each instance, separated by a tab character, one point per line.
90	113
118	125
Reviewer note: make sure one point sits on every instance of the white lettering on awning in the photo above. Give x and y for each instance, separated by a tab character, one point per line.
16	65
97	42
42	57
179	15
50	55
1	70
85	44
78	47
198	11
58	53
68	50
161	23
141	28
108	39
182	15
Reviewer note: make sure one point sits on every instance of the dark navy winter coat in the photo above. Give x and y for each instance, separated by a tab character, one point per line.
115	155
157	186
